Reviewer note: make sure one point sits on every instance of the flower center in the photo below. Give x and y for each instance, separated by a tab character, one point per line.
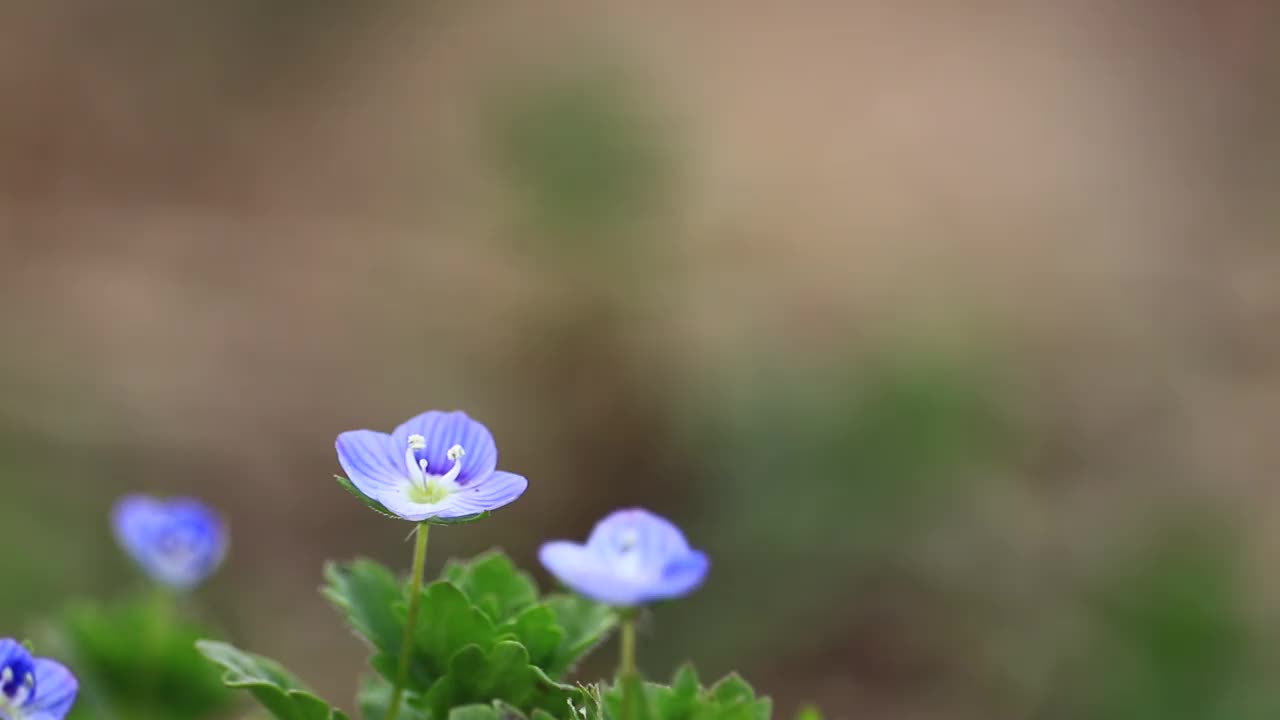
17	684
627	540
179	550
426	488
629	564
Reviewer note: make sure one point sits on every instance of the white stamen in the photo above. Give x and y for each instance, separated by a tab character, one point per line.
6	676
417	468
455	454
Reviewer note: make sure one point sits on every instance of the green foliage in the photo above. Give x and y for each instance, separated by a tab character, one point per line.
371	599
496	711
483	636
448	623
278	691
503	673
486	647
494	584
374	697
685	699
586	624
138	659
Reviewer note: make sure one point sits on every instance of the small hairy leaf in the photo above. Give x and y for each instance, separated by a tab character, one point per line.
681	699
283	695
536	628
730	699
502	674
474	712
374	697
367	594
586	624
448	623
496	711
494	584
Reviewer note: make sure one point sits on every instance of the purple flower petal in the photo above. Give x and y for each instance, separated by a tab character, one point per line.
35	688
15	659
582	571
372	460
632	557
178	542
56	691
684	575
436	465
655	537
443	430
498	489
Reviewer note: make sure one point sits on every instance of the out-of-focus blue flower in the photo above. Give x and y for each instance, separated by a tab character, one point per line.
437	465
632	557
33	688
178	542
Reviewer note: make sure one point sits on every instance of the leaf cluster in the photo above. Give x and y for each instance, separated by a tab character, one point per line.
485	642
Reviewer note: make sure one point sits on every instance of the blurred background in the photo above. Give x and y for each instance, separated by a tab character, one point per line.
949	330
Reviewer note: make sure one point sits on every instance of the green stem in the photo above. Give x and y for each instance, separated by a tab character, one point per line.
411	622
627	665
160	620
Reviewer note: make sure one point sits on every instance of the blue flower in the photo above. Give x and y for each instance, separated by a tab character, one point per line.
178	542
632	557
436	466
33	688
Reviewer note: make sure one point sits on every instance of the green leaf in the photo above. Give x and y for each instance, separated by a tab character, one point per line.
367	594
504	674
374	697
447	623
730	699
496	711
273	686
474	712
733	689
586	624
633	697
368	501
494	584
681	699
137	658
536	628
735	700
